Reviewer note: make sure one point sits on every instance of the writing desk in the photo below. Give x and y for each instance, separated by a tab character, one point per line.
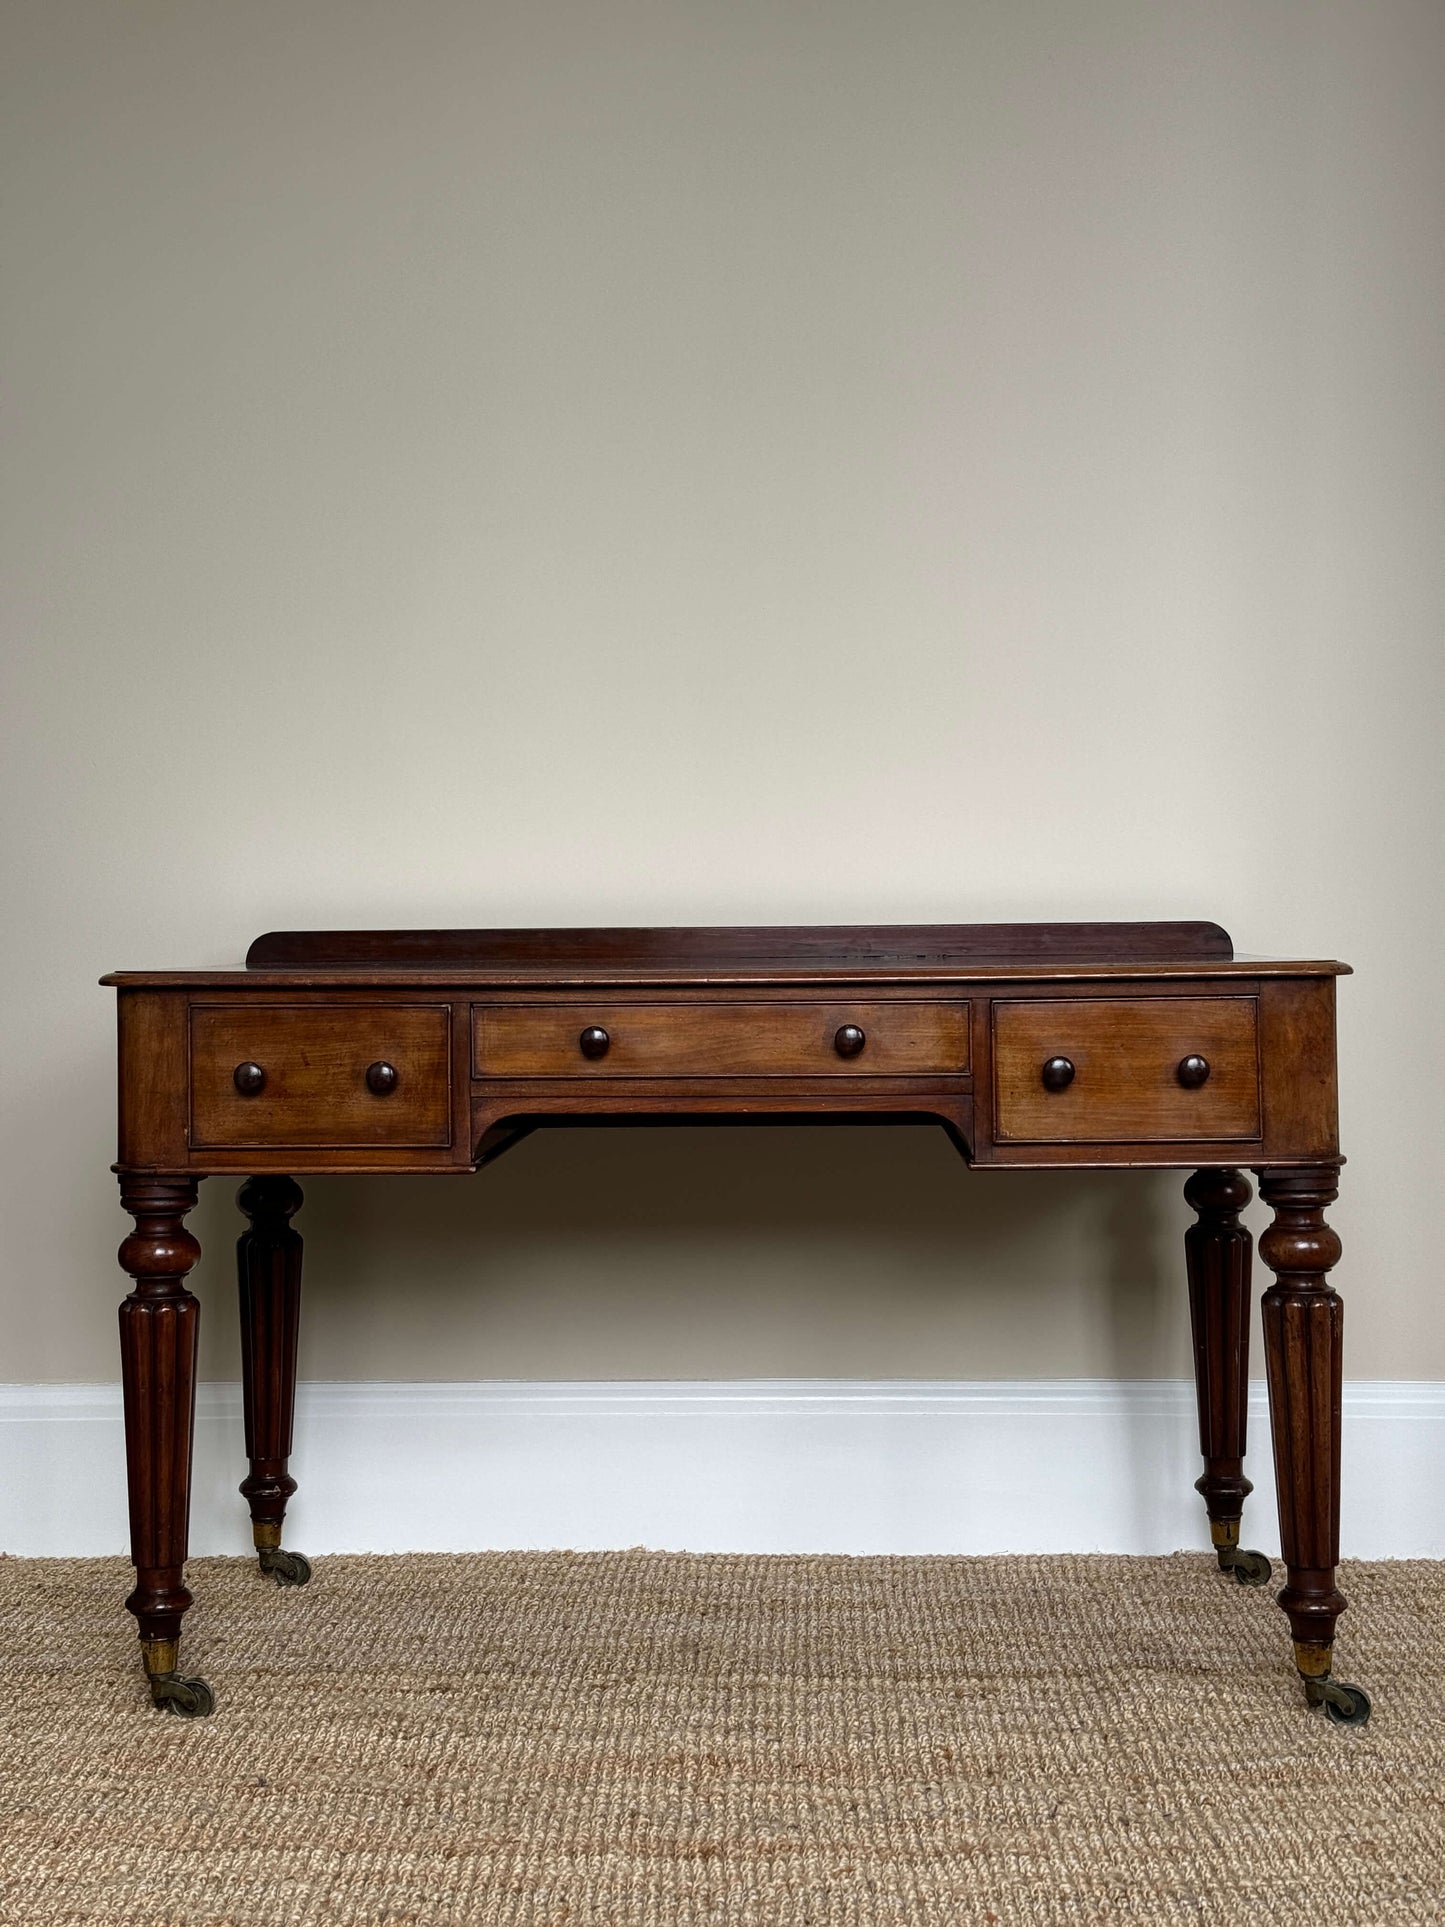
1093	1046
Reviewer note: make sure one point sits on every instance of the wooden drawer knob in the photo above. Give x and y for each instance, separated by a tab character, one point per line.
249	1079
848	1040
594	1041
1192	1072
1058	1074
381	1078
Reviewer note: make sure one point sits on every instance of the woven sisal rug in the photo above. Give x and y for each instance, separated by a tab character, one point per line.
642	1739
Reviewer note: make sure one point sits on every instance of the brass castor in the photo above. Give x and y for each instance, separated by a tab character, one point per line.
172	1692
1344	1705
189	1699
286	1568
1249	1568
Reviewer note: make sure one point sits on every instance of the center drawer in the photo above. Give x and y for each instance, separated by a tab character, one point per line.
732	1039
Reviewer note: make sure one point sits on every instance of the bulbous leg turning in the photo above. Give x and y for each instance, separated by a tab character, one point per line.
268	1269
1303	1343
159	1322
1217	1252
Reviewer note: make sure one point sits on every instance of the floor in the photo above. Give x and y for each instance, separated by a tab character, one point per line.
641	1739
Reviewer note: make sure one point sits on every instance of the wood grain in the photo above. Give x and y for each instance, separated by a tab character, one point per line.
151	1087
159	1326
268	1278
833	945
1298	1067
1217	1252
315	1059
1126	1054
732	1039
1304	1352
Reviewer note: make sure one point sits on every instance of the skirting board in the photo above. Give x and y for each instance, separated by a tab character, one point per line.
899	1466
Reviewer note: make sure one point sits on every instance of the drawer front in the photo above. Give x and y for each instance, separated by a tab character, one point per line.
313	1087
719	1040
1127	1084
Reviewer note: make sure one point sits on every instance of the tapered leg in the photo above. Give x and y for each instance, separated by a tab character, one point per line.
1303	1330
158	1327
268	1266
1217	1252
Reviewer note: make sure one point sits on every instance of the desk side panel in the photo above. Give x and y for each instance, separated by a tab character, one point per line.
152	1079
1298	1069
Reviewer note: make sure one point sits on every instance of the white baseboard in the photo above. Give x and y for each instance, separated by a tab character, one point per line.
768	1466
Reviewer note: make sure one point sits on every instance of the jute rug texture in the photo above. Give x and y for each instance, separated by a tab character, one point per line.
662	1740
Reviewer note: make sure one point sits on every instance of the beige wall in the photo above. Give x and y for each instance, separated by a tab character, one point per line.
703	461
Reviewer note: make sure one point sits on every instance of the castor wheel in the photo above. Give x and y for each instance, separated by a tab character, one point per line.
1251	1569
188	1699
1346	1705
286	1568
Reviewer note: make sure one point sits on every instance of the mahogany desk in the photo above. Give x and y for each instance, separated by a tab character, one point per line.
1079	1045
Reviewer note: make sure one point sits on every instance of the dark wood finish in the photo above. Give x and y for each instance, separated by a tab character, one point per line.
1217	1252
1303	1349
153	1085
348	1075
1297	1070
754	976
1125	1054
733	1038
1179	1056
159	1323
1295	1008
268	1274
840	946
503	1104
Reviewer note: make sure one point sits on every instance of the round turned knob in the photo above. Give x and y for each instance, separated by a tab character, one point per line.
1058	1074
594	1041
848	1040
249	1079
381	1079
1192	1072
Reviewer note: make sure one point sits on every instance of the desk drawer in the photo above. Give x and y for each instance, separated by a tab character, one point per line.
1126	1070
344	1075
740	1039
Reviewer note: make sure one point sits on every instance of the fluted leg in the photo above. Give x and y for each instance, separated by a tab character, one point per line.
1303	1332
268	1266
158	1328
1217	1251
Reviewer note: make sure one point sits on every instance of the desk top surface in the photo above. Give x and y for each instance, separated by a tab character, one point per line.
732	955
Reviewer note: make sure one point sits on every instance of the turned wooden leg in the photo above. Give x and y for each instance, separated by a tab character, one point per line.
1303	1329
268	1266
158	1328
1217	1252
